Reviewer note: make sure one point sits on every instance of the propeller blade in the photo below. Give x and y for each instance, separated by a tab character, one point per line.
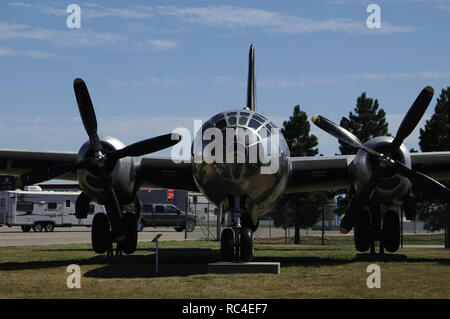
413	117
82	206
87	112
358	202
147	146
341	133
426	183
138	209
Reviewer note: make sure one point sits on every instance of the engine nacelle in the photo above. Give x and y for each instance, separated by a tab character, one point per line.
123	175
392	186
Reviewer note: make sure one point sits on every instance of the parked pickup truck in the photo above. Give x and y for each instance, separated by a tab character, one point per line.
167	215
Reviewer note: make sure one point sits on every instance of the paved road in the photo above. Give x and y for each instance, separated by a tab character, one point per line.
76	235
13	236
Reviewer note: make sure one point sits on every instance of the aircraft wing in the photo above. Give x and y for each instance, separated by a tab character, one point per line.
434	164
163	172
17	162
310	174
160	172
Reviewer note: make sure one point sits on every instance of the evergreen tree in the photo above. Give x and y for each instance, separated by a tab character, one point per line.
368	121
296	133
435	137
436	134
299	210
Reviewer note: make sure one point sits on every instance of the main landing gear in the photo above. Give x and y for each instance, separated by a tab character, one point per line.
102	238
371	228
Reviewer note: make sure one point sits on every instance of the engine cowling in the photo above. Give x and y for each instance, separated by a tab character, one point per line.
123	175
392	186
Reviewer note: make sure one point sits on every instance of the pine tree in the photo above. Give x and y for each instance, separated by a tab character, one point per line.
296	133
368	121
435	137
299	210
436	134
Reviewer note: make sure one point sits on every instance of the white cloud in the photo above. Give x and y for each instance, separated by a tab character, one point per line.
66	38
226	16
149	81
90	10
162	45
238	17
35	54
334	80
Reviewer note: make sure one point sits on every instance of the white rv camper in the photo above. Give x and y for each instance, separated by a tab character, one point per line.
40	210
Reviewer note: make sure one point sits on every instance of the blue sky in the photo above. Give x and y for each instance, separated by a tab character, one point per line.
152	66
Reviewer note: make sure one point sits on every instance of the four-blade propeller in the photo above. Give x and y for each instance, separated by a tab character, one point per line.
102	162
386	161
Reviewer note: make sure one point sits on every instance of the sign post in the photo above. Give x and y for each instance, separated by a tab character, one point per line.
155	240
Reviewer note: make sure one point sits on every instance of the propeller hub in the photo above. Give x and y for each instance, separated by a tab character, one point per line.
99	159
121	173
386	161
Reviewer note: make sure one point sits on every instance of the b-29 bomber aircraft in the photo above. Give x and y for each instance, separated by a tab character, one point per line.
381	173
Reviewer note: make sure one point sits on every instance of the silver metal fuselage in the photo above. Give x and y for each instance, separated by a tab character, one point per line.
230	172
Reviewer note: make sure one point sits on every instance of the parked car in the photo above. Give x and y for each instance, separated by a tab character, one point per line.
156	215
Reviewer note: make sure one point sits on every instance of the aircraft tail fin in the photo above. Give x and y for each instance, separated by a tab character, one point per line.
251	96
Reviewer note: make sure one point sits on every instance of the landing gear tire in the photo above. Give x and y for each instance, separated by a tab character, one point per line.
100	233
246	244
26	228
179	229
391	231
227	244
362	233
130	243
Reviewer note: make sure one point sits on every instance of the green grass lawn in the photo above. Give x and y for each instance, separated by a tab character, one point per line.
307	271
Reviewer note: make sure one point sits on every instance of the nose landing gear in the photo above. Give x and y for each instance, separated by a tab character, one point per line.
237	244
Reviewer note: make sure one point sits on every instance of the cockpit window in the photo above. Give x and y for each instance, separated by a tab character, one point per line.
231	113
243	120
232	120
273	124
221	124
259	118
254	124
245	113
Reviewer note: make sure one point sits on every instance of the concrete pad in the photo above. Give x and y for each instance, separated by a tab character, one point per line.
244	267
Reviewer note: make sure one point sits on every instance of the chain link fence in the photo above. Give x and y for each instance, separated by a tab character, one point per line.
279	226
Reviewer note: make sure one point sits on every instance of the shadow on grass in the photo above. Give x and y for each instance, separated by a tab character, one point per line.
178	262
